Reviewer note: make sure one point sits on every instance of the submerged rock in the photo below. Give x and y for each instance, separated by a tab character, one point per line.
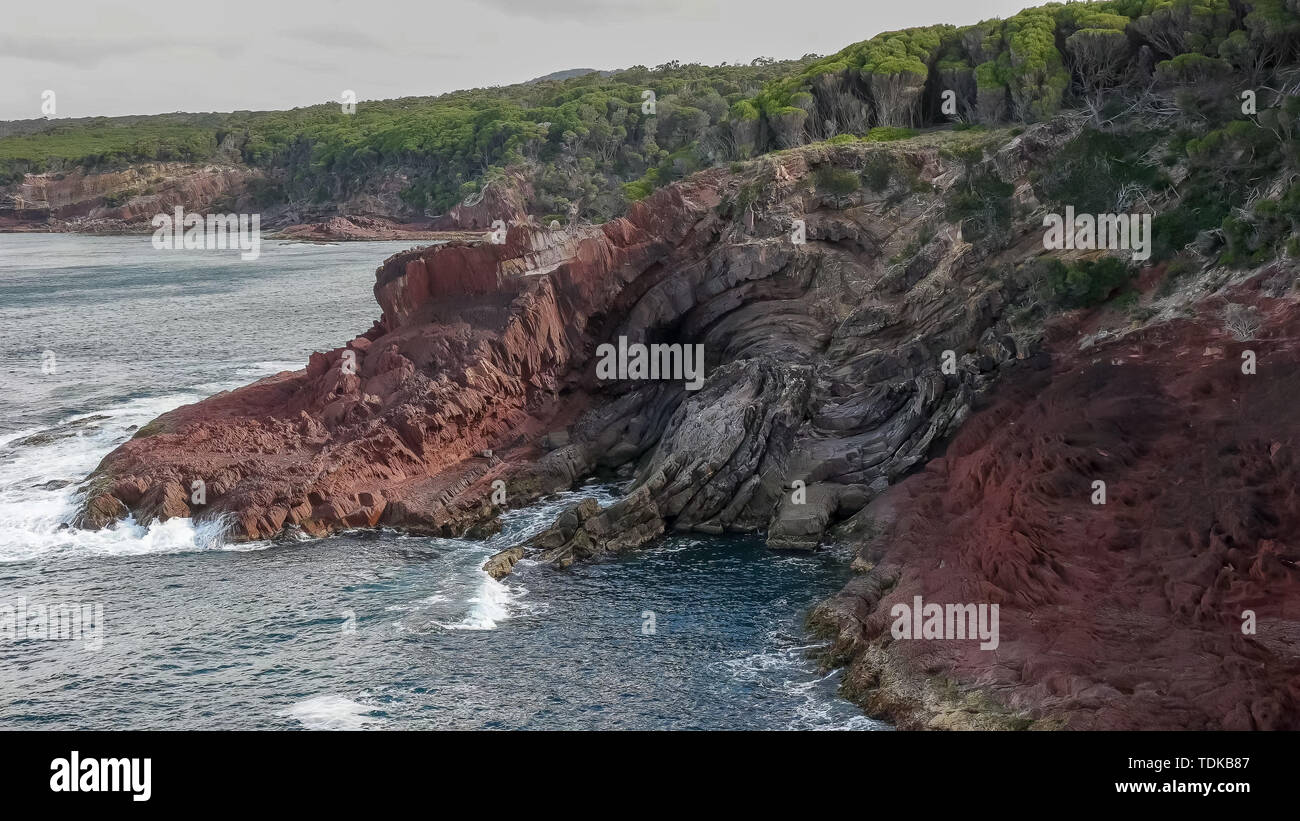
500	564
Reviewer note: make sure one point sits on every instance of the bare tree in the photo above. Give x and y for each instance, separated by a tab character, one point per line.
1242	321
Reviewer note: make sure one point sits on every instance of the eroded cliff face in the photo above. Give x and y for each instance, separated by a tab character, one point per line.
119	201
822	366
125	200
825	412
1169	604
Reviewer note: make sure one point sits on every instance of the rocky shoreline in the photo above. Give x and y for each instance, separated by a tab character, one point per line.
867	379
349	228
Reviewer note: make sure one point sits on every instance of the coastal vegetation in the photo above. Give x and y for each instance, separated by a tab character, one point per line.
1205	92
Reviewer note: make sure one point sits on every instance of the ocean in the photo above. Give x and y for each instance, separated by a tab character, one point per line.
362	630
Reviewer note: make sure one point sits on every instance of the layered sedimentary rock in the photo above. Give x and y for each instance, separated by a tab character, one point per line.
822	363
505	198
123	201
120	201
362	228
861	382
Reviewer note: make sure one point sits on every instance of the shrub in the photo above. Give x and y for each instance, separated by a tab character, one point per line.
837	181
878	172
983	207
1086	283
887	133
1095	165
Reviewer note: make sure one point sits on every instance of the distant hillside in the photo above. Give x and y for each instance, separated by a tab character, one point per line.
585	135
1149	75
567	74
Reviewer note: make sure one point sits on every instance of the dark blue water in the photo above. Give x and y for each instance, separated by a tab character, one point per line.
362	630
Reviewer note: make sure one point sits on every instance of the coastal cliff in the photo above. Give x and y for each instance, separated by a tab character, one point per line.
878	370
822	362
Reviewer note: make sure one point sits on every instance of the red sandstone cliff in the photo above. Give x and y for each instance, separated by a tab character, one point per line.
823	367
823	355
119	201
126	199
468	357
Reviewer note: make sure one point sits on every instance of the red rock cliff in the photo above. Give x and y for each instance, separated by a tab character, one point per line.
822	375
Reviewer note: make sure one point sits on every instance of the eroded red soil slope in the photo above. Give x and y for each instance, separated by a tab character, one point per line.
1127	614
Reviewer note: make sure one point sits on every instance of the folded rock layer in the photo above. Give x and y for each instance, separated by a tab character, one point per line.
822	367
849	332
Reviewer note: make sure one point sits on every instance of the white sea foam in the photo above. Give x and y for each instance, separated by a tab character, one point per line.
488	602
331	712
40	469
260	369
437	598
489	606
785	668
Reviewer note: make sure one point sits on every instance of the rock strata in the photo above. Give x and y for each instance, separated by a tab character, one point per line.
865	385
822	364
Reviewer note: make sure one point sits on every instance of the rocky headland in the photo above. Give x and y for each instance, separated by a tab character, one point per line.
877	371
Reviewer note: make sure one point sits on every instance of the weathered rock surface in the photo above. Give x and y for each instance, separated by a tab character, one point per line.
505	199
821	366
124	201
825	394
119	201
364	228
500	564
1122	615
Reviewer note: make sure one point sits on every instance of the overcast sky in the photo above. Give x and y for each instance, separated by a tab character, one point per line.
109	57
